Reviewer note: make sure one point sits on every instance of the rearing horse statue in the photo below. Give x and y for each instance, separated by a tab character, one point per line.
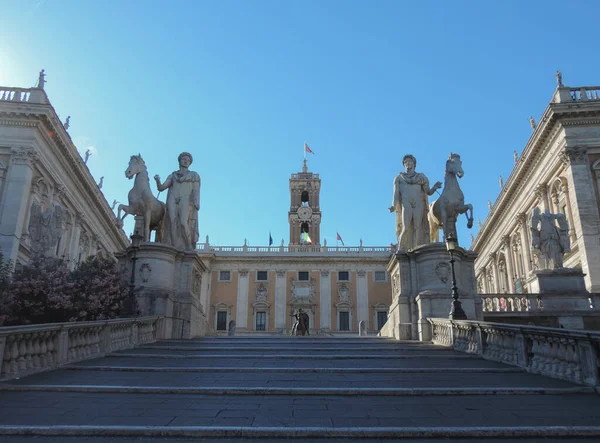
142	201
444	211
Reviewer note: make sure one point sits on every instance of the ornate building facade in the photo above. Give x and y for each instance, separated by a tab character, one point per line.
49	201
558	171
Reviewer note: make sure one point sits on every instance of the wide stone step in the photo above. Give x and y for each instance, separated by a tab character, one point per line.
293	354
298	362
47	408
290	379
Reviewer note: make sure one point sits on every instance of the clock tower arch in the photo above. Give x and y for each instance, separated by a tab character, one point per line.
304	215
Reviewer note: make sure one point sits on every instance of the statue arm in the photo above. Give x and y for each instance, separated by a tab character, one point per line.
167	184
196	194
397	197
434	188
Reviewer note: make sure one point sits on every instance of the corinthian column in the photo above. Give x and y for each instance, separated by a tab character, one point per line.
509	264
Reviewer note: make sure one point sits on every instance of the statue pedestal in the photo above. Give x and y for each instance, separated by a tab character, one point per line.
169	283
422	288
552	281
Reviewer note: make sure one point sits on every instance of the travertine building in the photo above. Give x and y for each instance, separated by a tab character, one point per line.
559	170
48	199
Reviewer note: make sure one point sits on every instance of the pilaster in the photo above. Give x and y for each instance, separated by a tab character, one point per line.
242	300
584	209
280	299
14	199
510	267
362	297
325	302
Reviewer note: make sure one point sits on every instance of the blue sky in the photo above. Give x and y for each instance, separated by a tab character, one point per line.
242	84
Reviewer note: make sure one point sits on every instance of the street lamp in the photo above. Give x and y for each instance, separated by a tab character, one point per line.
136	239
456	311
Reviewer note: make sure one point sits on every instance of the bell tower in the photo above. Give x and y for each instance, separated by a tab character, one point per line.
305	214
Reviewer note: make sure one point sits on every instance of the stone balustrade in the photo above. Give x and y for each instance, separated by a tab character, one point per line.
541	303
571	355
28	95
293	249
29	349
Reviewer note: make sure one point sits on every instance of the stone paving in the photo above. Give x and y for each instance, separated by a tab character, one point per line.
346	388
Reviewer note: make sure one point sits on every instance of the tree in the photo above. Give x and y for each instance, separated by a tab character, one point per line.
39	293
100	290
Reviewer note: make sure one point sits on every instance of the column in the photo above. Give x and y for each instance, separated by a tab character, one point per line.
496	272
241	320
362	298
325	302
280	290
525	247
510	267
14	200
584	208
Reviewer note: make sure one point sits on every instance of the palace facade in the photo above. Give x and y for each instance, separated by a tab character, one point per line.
559	171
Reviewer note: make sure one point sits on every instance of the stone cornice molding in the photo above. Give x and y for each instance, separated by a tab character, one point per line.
554	119
44	117
574	155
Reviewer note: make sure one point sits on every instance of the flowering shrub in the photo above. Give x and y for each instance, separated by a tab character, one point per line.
45	291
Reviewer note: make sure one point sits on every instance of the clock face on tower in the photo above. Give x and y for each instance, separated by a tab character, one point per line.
304	213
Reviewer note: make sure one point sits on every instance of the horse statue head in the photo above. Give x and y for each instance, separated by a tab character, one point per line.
454	165
136	165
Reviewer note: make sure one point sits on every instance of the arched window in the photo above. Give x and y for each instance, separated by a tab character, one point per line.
304	198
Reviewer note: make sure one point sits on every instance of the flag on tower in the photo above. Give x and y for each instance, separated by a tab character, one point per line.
270	239
307	149
339	238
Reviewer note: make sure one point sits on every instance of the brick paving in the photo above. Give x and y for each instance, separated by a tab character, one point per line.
248	395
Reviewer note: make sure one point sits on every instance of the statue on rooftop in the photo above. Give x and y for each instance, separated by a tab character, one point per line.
67	122
41	79
549	240
87	155
490	205
180	227
532	122
515	157
501	182
559	81
409	202
101	182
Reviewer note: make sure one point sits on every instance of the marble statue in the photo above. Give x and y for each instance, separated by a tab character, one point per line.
45	227
282	243
67	123
409	202
451	203
501	182
207	242
559	81
101	182
515	157
490	205
325	242
141	200
532	122
87	155
41	79
361	242
472	238
479	223
183	202
549	240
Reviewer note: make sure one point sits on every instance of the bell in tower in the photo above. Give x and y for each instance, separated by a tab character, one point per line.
305	215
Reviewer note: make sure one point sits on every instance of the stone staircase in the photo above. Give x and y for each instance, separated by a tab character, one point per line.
238	389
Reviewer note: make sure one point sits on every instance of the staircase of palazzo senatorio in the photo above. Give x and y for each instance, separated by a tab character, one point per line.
312	389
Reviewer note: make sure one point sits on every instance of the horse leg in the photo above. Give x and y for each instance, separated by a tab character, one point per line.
444	222
467	209
127	210
147	216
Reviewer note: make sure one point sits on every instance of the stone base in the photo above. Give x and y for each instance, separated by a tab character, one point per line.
169	283
422	288
561	281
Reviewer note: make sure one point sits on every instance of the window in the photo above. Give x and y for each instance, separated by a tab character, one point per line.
262	275
380	276
261	321
224	275
343	276
344	321
221	320
303	275
381	319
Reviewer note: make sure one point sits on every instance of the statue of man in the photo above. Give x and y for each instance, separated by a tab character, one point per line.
532	123
501	182
559	78
87	155
515	157
411	190
180	227
67	122
550	241
41	79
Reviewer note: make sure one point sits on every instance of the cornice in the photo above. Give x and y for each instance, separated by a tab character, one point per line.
556	116
37	117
